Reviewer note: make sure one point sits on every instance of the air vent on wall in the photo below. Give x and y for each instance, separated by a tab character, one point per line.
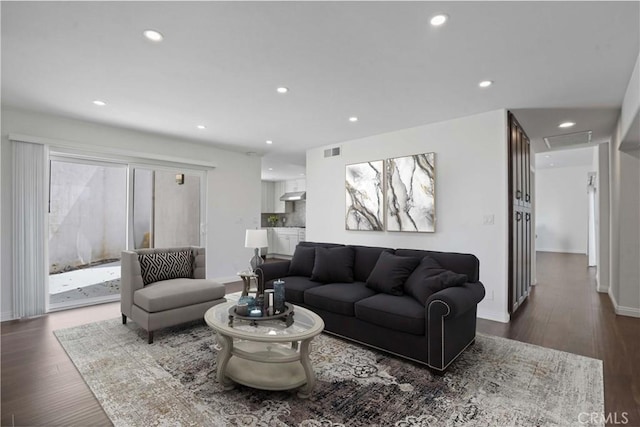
567	140
331	152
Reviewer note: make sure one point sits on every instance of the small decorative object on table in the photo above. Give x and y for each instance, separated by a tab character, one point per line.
278	299
257	314
268	302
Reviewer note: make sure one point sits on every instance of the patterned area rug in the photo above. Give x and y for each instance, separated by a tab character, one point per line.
496	382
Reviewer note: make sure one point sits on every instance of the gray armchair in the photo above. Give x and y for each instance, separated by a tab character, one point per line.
166	287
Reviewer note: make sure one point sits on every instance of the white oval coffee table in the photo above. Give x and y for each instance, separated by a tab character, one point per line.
267	356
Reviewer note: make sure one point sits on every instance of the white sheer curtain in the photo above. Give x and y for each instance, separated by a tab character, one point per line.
29	216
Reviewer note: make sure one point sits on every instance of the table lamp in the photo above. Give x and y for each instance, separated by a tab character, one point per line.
256	239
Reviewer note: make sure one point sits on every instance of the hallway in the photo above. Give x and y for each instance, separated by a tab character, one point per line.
564	312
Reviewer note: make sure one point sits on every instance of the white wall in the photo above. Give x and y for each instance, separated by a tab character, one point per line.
471	183
562	209
604	206
228	214
624	165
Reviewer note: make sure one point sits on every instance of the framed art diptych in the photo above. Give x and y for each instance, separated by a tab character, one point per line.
364	191
410	186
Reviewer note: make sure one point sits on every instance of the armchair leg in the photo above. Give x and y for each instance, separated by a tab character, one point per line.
150	335
124	319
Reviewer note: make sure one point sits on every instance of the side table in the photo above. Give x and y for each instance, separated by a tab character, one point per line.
247	277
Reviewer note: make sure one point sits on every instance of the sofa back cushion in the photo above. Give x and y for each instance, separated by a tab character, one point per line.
430	277
365	260
302	262
157	266
333	265
459	263
320	244
390	273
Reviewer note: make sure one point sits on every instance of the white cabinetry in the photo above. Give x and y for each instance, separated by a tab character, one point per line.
283	241
267	197
278	191
295	185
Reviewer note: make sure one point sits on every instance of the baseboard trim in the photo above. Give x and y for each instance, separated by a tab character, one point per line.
602	290
493	315
628	311
6	316
621	310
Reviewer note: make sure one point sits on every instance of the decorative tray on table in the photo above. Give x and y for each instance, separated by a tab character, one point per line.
286	316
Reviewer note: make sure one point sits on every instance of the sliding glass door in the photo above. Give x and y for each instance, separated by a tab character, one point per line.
166	208
87	230
97	209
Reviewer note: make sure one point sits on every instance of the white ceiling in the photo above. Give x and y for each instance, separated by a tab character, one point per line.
220	63
565	158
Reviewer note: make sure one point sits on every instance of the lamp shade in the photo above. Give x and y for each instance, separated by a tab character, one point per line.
256	239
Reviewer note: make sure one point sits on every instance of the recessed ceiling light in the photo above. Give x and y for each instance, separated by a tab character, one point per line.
353	119
153	35
485	83
268	141
566	124
546	156
201	127
439	19
270	169
282	89
551	164
301	174
99	103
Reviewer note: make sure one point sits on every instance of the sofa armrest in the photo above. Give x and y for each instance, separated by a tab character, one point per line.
455	301
130	280
199	262
451	322
272	270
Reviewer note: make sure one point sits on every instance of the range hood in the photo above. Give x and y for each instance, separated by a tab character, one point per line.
294	196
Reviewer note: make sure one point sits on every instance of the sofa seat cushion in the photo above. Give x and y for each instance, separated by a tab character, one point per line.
400	313
294	287
337	297
176	293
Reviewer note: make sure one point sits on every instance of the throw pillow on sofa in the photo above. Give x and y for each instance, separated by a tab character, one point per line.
165	265
430	277
333	265
390	273
302	262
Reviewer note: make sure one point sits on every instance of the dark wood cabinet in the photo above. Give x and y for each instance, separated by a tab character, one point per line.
521	219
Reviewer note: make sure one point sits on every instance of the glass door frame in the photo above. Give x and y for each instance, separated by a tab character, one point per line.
176	169
130	163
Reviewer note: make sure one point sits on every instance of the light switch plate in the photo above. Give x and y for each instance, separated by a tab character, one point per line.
488	219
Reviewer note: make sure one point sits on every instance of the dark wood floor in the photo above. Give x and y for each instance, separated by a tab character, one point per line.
41	387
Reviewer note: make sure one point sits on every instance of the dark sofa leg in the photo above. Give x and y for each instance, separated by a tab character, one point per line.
150	337
436	372
124	319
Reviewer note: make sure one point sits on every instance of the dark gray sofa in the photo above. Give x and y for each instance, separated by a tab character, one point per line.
434	333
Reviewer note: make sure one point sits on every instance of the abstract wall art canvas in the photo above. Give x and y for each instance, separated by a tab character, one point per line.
411	193
364	190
